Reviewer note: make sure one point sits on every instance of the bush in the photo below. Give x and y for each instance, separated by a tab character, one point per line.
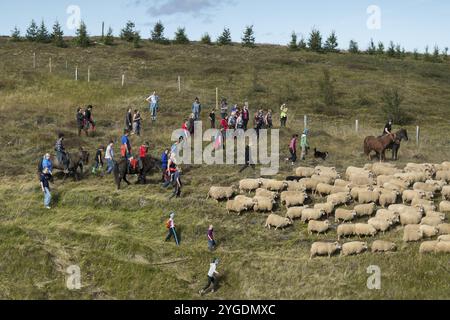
82	37
128	33
181	37
393	107
206	39
327	91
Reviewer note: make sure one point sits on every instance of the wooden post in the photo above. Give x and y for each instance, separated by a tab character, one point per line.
357	126
123	80
89	74
103	30
306	121
76	73
67	65
179	84
34	60
50	64
418	135
217	98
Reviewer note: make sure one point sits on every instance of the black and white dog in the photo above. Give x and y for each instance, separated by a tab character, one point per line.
320	155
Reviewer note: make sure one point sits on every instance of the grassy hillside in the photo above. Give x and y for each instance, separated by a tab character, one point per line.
116	237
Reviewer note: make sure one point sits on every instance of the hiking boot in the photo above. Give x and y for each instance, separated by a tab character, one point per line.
48	208
66	171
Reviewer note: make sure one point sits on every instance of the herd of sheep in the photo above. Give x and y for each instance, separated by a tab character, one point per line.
384	194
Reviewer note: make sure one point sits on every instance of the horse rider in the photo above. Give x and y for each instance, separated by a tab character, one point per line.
47	163
61	154
143	151
388	128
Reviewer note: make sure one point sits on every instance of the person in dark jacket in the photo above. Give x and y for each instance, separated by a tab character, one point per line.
44	178
81	122
129	120
61	154
212	118
164	165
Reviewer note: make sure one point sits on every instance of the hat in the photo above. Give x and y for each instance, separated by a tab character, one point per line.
216	260
172	215
47	155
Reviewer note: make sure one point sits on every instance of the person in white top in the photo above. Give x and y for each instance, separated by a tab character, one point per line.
172	232
109	156
211	277
153	100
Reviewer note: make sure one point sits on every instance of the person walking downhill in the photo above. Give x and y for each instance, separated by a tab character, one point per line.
61	154
211	277
89	117
44	178
47	163
98	160
304	144
81	125
129	120
224	108
196	109
170	225
211	240
284	115
165	165
143	151
177	184
109	157
293	149
212	118
137	123
245	116
153	100
125	148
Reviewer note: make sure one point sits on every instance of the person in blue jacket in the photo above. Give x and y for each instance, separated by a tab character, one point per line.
164	164
47	163
196	109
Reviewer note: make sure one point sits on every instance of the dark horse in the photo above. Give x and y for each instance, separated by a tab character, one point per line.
395	146
378	145
122	169
77	160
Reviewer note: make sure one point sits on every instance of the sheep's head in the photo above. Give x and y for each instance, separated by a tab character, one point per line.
354	214
327	223
393	246
337	245
289	221
365	246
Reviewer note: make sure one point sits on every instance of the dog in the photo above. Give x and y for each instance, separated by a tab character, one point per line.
293	178
320	155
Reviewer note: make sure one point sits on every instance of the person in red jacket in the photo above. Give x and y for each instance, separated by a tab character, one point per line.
293	149
143	151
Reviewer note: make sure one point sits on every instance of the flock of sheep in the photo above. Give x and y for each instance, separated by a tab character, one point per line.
376	189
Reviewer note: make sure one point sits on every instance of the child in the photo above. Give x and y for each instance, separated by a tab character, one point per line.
98	159
212	118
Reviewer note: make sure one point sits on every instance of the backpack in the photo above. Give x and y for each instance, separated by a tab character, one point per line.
168	224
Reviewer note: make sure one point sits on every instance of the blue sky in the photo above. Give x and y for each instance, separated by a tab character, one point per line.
412	23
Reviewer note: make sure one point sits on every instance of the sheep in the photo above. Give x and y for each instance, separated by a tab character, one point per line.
361	180
345	215
246	201
323	189
443	247
388	215
444	238
273	185
328	171
379	170
295	212
402	183
304	172
383	246
278	222
428	247
382	179
339	198
394	186
298	194
318	226
444	228
249	185
426	207
429	231
221	193
295	186
364	210
412	233
263	204
446	164
309	184
327	207
437	183
431	221
345	230
292	201
398	208
409	195
323	179
355	190
366	230
446	193
341	183
368	197
414	167
352	171
423	186
410	218
380	225
444	206
388	198
324	248
312	214
422	202
236	206
433	214
443	175
352	248
267	194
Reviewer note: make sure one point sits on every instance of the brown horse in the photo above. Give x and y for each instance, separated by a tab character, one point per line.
378	145
77	160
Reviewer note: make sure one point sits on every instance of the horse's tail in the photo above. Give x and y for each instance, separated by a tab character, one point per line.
366	146
116	171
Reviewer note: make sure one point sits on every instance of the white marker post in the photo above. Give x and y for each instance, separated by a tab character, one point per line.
418	135
34	60
179	84
123	80
50	64
76	73
357	126
306	121
89	74
67	65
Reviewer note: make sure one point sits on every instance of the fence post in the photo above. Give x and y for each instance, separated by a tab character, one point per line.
179	84
306	121
89	74
217	98
67	65
123	80
357	126
34	60
418	135
76	73
50	64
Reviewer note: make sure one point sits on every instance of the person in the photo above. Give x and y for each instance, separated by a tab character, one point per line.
196	109
125	149
232	121
165	164
172	232
109	157
153	100
143	151
175	146
258	122
268	120
388	127
185	128
245	116
293	149
45	187
98	159
284	115
211	240
212	118
304	144
89	118
191	124
81	122
61	154
224	108
137	123
234	109
129	120
240	122
211	277
248	159
47	164
177	184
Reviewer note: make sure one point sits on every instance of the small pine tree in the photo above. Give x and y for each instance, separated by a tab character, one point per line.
248	39
315	41
393	106
353	47
225	38
43	36
445	54
58	36
331	44
436	54
293	45
416	54
181	36
426	55
398	51
380	48
32	32
302	44
391	50
128	33
206	39
326	86
15	35
371	49
157	35
109	38
82	37
137	39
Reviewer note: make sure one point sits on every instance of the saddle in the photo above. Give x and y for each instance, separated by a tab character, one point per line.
133	163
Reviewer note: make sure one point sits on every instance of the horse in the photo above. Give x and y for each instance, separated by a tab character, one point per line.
402	134
378	145
76	161
122	169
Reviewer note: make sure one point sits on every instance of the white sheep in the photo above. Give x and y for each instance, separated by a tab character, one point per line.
444	206
345	215
309	184
353	248
388	215
295	200
382	179
304	172
409	195
410	218
431	221
323	189
383	246
294	186
446	193
337	189
362	180
429	231
444	228
365	230
323	179
342	198
324	248
412	233
294	213
312	214
327	207
341	183
443	175
422	202
356	190
443	247
438	183
388	198
273	185
221	193
428	247
263	204
364	210
423	186
236	206
246	201
368	197
433	214
249	185
318	226
394	187
267	194
378	170
345	230
380	225
445	237
278	222
353	171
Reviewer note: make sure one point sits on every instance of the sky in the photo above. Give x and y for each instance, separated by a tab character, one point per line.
412	23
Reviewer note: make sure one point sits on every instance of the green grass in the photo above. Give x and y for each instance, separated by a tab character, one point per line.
116	237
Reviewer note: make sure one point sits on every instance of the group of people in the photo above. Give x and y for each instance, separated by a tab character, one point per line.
304	145
85	120
133	122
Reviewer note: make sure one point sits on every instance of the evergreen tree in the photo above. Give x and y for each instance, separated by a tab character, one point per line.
206	39
416	54
82	37
15	35
398	51
326	86
436	54
353	47
109	38
58	36
128	33
380	48
426	55
445	54
158	34
43	36
225	38
391	50
302	44
248	39
331	44
181	37
137	39
32	31
315	41
371	49
293	45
